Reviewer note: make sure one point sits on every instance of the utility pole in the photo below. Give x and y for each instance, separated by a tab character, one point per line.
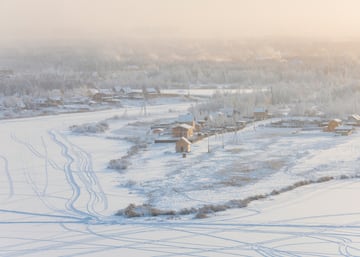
223	145
208	144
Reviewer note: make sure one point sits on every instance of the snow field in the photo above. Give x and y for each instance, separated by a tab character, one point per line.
58	198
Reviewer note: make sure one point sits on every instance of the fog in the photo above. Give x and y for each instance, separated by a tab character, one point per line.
67	21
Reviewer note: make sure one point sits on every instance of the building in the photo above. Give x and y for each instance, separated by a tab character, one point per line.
260	113
241	123
152	90
183	130
343	130
354	119
122	90
104	95
6	73
332	125
183	145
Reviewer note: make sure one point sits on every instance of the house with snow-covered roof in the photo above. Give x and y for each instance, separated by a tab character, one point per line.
183	130
260	113
152	90
354	119
332	125
123	90
183	145
344	130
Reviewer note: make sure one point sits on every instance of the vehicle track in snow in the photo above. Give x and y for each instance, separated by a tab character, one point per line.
82	179
8	176
89	179
69	175
35	152
79	174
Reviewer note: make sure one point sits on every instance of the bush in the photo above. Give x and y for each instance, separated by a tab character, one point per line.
237	204
129	211
212	208
302	183
143	210
187	211
118	164
201	215
97	127
347	176
324	179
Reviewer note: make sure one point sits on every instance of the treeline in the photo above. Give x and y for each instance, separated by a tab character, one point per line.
303	72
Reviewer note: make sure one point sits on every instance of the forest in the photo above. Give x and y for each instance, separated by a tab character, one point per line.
305	75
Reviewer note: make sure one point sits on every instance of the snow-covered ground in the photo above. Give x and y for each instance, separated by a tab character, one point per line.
59	199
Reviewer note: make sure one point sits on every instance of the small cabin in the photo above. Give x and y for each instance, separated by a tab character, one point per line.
241	123
183	130
354	119
183	145
260	113
344	130
332	125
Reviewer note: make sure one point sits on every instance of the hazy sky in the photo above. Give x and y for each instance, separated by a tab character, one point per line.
39	20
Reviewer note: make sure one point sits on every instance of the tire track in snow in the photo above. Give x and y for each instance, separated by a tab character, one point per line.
89	179
86	175
35	152
43	193
40	193
76	191
8	176
41	196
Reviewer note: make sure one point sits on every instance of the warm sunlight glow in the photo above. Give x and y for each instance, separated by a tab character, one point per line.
224	19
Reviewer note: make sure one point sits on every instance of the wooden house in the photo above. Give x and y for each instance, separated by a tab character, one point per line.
182	130
241	123
260	113
354	119
183	145
332	125
152	91
343	130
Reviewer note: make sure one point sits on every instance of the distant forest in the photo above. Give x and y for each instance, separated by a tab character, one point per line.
295	71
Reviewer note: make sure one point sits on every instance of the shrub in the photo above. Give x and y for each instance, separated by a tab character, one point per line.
201	215
97	127
302	183
212	208
143	210
237	204
130	211
274	192
324	179
344	177
118	164
187	211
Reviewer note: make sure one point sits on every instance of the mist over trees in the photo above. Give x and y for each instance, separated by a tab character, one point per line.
298	73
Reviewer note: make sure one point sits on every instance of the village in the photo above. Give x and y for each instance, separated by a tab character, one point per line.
187	130
85	99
